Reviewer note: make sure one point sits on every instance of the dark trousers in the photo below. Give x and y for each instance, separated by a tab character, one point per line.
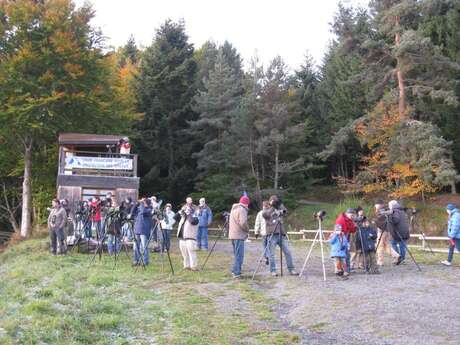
57	235
450	256
166	239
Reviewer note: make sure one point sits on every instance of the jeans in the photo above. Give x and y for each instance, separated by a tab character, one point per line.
238	252
141	248
202	237
399	247
166	239
88	231
55	236
113	244
450	256
282	242
96	225
126	231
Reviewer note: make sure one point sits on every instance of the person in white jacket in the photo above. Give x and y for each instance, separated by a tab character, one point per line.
260	229
166	227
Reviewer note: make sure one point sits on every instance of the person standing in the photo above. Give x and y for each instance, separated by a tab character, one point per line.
260	229
399	231
348	228
276	233
383	235
142	227
453	232
365	243
56	222
238	232
205	216
113	228
166	227
339	245
95	210
187	231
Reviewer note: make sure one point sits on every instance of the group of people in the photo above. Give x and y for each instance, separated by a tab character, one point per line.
356	242
269	224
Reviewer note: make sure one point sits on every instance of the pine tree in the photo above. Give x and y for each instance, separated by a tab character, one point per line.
165	88
216	106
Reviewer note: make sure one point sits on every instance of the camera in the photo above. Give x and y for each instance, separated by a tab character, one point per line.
319	215
225	215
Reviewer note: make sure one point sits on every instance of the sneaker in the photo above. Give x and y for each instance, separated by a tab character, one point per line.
399	261
194	269
346	274
236	276
446	263
293	273
274	274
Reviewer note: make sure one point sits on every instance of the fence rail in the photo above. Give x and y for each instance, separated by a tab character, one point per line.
421	240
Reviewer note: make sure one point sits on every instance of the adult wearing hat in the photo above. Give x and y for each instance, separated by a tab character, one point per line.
345	220
453	232
238	230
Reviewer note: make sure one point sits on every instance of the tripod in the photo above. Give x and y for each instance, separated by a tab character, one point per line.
163	236
267	246
319	237
221	233
366	269
413	223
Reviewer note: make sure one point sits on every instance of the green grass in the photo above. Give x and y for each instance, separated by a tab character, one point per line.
57	300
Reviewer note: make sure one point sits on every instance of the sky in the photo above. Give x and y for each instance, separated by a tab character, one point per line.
289	28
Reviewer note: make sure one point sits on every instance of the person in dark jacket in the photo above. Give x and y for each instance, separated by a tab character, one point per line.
399	231
56	222
365	242
142	226
126	209
276	233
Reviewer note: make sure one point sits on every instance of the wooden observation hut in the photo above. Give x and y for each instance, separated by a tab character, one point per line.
91	165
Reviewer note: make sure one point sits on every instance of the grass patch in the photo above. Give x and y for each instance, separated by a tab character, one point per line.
56	299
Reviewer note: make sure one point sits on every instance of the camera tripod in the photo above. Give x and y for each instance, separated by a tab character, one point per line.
101	235
221	233
267	249
413	223
319	237
163	236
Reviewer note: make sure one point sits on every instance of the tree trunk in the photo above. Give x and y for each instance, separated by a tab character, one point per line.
453	188
26	215
255	174
277	166
170	153
400	76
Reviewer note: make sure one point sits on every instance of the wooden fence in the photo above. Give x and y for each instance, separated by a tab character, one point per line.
419	241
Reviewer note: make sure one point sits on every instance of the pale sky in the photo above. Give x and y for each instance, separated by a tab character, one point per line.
287	28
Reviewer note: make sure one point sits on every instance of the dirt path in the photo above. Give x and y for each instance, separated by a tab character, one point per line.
399	306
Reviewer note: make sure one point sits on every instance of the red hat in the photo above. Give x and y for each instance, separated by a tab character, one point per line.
244	200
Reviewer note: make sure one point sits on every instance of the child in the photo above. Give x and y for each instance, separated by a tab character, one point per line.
339	247
365	241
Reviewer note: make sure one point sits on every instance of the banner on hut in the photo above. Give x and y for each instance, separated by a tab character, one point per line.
98	163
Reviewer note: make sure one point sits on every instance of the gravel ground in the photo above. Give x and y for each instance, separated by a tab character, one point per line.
399	306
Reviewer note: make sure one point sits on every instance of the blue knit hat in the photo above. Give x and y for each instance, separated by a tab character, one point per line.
451	207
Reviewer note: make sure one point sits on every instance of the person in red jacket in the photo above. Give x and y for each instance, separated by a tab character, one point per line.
95	212
345	220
